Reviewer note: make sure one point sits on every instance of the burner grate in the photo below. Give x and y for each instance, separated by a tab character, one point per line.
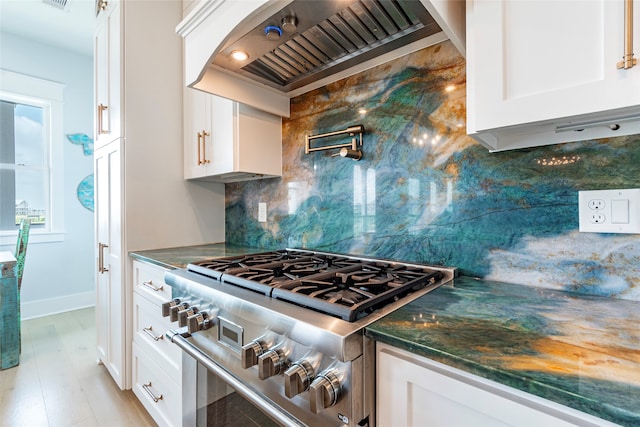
338	285
350	295
215	268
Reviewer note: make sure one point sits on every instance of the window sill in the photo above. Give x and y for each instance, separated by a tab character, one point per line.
11	238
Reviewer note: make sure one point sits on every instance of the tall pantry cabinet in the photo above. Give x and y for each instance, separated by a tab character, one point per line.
142	200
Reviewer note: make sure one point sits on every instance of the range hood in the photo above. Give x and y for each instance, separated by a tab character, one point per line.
310	40
296	46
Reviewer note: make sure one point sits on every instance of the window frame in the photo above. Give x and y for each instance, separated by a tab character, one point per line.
49	95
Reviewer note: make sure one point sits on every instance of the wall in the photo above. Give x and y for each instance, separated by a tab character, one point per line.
425	192
59	276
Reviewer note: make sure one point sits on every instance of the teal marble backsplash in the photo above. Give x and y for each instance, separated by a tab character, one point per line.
426	192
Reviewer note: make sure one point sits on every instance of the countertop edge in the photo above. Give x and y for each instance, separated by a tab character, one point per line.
148	260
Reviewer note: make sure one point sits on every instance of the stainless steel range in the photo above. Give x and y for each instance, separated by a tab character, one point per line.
279	336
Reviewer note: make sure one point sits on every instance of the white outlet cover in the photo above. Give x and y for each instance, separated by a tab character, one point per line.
609	211
262	212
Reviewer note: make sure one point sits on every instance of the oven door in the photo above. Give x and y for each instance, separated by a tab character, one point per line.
213	396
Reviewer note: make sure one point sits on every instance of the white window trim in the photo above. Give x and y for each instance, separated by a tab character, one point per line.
35	90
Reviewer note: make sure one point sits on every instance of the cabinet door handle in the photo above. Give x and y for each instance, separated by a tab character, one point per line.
205	134
149	284
147	388
628	61
102	4
149	331
101	268
101	110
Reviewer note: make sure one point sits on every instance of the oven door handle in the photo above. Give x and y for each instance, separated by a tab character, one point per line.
266	405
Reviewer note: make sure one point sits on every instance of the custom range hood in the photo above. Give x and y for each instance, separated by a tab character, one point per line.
310	40
296	46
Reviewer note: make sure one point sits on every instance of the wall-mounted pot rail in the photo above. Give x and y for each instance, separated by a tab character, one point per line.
352	150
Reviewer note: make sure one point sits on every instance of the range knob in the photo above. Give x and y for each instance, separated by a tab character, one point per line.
199	322
271	363
183	315
167	305
297	378
251	352
324	391
173	310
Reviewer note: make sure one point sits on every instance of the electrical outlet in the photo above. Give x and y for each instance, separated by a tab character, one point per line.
609	211
262	212
596	204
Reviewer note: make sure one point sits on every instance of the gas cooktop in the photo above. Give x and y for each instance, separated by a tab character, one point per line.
343	286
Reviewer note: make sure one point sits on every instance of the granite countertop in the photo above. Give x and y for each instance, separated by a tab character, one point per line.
181	256
577	350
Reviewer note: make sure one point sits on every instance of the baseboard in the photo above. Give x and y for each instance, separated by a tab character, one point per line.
46	307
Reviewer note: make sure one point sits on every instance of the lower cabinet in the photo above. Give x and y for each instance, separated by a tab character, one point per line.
156	362
159	394
415	391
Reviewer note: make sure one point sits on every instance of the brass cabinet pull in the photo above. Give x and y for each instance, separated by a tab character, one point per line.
204	154
628	61
147	388
102	4
199	141
149	284
101	268
149	331
101	110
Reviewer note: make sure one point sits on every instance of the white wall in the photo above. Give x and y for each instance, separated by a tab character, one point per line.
59	276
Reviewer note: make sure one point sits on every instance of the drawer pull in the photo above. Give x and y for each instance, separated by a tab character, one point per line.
149	331
147	388
150	285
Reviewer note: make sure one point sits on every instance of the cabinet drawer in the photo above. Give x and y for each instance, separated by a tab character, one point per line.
161	397
148	280
149	329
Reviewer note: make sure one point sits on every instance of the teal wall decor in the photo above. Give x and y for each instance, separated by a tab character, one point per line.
426	192
85	192
84	140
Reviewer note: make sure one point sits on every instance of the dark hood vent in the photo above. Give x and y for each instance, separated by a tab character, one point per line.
329	37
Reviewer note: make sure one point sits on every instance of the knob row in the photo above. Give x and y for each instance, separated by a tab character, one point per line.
186	315
324	389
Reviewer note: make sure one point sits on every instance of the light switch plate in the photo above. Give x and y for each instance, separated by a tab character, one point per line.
262	212
609	211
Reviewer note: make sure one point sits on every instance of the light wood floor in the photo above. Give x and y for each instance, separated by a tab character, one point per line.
59	383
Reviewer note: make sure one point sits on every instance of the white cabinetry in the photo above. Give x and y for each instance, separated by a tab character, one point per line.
226	141
107	74
110	294
142	199
415	391
157	378
537	73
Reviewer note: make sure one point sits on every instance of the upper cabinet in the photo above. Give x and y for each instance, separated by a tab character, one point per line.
545	73
294	46
107	73
226	141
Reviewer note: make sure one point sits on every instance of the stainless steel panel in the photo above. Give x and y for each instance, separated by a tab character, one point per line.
331	36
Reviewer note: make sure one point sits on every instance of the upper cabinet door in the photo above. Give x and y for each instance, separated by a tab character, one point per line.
197	134
107	74
550	69
226	141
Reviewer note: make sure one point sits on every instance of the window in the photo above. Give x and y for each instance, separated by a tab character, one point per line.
31	157
23	165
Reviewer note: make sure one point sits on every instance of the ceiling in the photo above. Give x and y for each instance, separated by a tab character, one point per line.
71	28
